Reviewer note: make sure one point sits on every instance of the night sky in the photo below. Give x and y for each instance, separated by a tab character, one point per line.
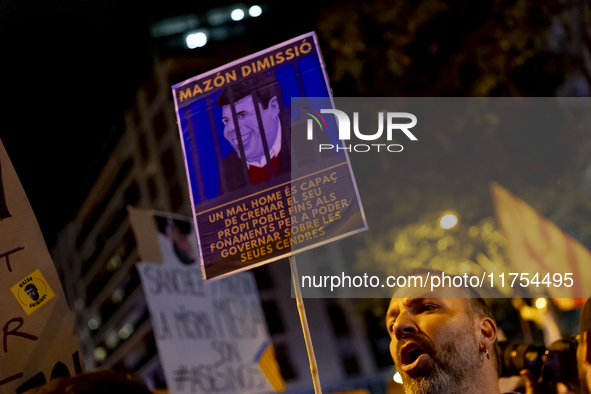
69	71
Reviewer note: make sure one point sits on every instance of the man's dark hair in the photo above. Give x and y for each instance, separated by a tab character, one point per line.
479	307
182	226
161	223
30	286
261	85
585	319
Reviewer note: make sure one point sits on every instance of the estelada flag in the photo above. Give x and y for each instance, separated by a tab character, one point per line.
537	246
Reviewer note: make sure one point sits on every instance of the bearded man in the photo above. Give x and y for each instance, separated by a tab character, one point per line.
444	345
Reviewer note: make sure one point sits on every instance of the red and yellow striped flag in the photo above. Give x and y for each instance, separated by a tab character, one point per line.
537	246
268	363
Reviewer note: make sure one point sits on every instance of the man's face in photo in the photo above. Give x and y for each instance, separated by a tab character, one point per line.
433	344
249	127
181	243
32	292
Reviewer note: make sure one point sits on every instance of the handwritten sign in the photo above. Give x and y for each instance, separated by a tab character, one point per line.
38	338
211	337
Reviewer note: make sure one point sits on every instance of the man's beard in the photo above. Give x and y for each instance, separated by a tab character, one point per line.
454	368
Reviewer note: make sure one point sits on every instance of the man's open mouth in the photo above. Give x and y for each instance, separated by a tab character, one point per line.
412	356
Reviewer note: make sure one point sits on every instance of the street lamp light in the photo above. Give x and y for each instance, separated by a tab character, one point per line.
255	11
196	40
237	14
540	303
448	221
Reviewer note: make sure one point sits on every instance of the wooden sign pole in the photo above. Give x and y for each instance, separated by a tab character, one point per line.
305	328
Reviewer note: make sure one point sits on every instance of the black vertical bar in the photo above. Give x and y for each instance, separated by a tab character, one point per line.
238	136
3	207
77	364
287	132
216	145
255	101
287	136
303	92
191	130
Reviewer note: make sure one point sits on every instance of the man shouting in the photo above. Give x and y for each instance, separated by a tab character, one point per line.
444	345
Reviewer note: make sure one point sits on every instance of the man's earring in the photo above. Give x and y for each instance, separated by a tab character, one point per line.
487	355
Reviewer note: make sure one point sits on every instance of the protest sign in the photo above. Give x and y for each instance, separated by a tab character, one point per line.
211	337
259	193
38	338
